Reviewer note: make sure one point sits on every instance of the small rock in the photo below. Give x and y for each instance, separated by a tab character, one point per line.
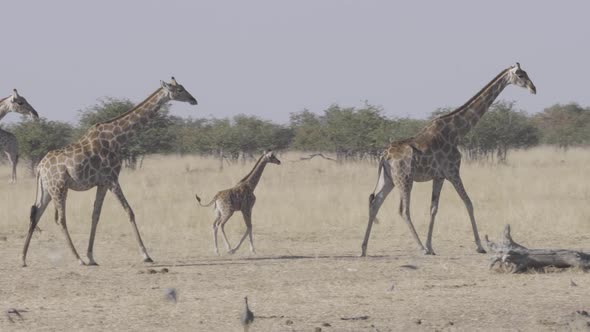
289	322
152	271
418	321
572	283
317	329
164	270
326	325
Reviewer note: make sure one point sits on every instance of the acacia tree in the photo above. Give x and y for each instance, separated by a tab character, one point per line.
349	132
37	137
308	131
564	125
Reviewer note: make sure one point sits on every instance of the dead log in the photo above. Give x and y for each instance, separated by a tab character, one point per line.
518	258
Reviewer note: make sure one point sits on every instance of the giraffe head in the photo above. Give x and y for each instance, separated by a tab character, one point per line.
177	92
269	157
18	104
520	78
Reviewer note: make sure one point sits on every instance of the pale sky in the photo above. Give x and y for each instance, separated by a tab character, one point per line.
271	58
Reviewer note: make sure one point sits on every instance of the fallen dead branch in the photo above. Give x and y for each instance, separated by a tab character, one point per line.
313	156
517	258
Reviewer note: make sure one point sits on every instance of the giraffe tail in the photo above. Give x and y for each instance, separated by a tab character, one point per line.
34	208
204	205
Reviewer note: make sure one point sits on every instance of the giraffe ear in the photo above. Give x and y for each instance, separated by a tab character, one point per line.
165	85
14	94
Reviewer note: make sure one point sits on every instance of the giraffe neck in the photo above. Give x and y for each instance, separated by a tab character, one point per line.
463	119
254	176
129	121
4	107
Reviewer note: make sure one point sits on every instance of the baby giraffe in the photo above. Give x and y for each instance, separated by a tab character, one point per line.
239	198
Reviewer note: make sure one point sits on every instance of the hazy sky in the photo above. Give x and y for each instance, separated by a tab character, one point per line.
271	58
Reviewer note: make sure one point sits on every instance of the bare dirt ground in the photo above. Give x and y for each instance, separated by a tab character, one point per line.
309	222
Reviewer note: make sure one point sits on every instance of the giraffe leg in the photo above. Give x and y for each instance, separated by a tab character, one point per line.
12	160
458	184
215	228
116	190
383	188
437	185
248	219
405	190
220	221
36	213
222	224
247	214
100	194
60	205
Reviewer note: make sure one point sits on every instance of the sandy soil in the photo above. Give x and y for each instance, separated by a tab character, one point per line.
306	275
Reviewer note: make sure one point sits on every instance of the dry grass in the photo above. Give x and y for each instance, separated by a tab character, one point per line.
309	221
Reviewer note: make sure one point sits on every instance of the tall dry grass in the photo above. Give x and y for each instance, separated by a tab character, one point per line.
317	206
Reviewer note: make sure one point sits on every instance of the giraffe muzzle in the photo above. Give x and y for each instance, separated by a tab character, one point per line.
532	88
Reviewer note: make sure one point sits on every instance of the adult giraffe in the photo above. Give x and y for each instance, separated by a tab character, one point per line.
433	155
8	144
95	161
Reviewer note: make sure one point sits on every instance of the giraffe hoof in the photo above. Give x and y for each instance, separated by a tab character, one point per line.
231	252
148	260
92	264
429	252
481	250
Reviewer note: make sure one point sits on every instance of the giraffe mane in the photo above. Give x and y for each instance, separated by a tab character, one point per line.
3	99
131	110
253	168
464	106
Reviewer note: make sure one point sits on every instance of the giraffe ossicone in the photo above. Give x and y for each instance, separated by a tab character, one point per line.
433	155
95	161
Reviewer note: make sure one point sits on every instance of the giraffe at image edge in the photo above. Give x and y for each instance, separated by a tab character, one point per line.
95	161
8	144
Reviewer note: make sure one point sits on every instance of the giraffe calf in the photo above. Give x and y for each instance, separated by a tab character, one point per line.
239	198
